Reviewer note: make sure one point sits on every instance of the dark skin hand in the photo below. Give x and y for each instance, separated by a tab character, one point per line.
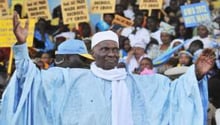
205	62
20	32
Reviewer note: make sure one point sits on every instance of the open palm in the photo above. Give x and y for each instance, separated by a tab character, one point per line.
205	62
20	32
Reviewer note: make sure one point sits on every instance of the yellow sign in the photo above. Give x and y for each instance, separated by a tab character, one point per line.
55	22
216	4
38	9
5	14
150	4
122	21
7	38
103	6
74	11
3	4
4	11
17	2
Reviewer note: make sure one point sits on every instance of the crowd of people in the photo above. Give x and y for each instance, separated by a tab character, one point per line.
155	44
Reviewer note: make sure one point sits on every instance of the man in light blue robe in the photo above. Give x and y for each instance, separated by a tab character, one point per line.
104	95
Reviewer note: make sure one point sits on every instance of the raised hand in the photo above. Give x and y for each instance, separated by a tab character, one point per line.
20	32
205	62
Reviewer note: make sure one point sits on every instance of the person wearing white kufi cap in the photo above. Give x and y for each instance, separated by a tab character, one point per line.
103	95
103	36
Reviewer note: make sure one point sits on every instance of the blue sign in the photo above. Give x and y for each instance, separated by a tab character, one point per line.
195	14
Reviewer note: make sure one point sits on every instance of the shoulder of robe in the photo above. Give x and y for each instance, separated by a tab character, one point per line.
150	78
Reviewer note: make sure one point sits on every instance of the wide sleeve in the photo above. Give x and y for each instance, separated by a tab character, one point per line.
188	100
22	62
155	91
26	101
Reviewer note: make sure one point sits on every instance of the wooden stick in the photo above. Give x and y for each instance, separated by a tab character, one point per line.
149	12
10	62
163	12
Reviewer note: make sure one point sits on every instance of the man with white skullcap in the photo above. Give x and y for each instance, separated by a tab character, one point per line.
104	95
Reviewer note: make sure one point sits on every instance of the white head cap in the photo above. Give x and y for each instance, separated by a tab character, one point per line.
104	35
140	44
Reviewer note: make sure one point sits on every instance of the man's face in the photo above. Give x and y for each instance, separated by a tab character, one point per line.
203	31
106	54
138	21
152	25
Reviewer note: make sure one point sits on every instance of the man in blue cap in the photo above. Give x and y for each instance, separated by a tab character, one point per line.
73	53
104	95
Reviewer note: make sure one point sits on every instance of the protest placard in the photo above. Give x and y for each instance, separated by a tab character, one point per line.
122	21
215	4
74	11
102	6
38	9
7	38
3	4
195	14
4	11
5	14
150	4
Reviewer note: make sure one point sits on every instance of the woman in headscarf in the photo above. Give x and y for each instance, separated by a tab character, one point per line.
167	34
175	43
